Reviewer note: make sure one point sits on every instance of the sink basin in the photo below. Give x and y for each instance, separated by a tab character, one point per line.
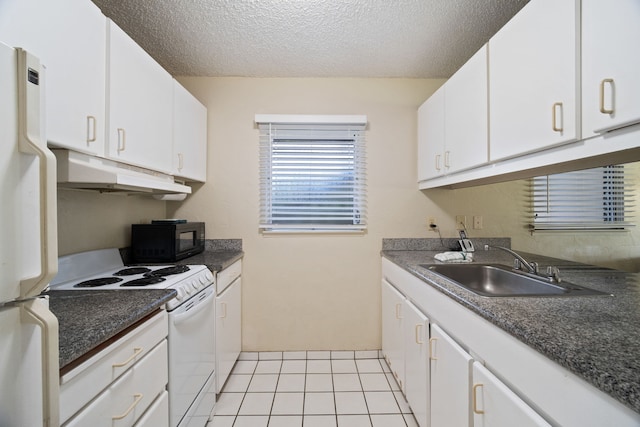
495	280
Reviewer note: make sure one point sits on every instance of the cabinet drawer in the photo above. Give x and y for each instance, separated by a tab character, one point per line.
124	401
158	413
86	381
228	275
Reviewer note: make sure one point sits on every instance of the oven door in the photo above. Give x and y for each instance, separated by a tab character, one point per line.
192	359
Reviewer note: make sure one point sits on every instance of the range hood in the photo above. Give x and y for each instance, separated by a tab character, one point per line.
83	171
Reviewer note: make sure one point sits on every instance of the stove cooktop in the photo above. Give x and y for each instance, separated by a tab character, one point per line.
104	270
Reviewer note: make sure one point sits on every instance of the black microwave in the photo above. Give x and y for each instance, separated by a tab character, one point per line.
166	242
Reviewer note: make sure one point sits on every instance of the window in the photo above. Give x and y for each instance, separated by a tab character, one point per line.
591	199
312	173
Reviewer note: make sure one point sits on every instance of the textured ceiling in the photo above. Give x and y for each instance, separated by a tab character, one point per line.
311	38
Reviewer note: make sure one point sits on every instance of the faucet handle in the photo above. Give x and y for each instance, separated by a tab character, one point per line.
517	265
553	273
535	267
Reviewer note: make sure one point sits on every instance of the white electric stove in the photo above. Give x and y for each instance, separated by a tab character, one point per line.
104	270
191	314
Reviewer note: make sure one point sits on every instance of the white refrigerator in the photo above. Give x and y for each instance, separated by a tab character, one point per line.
29	371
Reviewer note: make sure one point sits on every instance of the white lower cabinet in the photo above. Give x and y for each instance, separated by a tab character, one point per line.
479	375
416	345
405	346
228	321
443	384
495	405
392	336
450	369
108	384
124	401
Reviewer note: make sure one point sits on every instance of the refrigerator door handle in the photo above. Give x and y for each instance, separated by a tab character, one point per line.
29	116
37	312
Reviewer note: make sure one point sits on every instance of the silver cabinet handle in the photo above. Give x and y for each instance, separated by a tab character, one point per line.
180	161
475	399
122	140
438	162
224	311
431	351
604	83
91	129
418	334
557	107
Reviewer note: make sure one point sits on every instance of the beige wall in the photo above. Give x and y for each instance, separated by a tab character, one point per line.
315	292
90	220
322	292
504	209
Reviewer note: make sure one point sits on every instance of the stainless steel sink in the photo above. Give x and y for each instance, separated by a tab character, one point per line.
495	280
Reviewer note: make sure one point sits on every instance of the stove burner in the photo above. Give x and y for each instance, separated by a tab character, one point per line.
167	271
102	281
144	281
131	271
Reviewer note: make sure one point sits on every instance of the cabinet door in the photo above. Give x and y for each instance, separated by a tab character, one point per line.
450	381
466	115
610	65
68	36
228	330
140	99
532	79
495	405
126	399
392	335
431	136
189	135
416	341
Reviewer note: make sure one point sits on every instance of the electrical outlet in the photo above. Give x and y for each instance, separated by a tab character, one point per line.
430	222
461	222
477	222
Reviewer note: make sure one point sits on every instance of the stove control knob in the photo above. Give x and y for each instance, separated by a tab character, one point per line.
187	290
209	276
194	285
180	295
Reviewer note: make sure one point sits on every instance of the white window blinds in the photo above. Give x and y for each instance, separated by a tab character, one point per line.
592	199
312	173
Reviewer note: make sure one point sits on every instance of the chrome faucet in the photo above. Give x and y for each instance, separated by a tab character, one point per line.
519	261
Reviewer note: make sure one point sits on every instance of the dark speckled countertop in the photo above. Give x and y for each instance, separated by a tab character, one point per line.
595	337
219	254
87	319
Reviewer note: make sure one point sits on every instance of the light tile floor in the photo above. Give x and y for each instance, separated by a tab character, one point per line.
312	389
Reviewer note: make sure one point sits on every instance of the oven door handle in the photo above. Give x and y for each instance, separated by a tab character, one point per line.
193	310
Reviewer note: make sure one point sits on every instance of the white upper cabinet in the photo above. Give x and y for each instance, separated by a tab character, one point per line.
466	114
610	65
189	135
140	105
431	136
533	79
453	122
69	38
